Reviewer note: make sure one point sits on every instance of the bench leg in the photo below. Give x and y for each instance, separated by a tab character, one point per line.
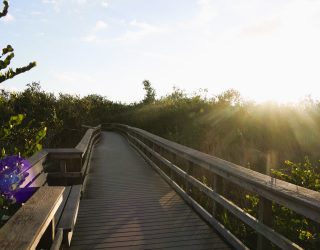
48	236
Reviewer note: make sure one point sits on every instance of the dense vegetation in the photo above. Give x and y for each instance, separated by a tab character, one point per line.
258	136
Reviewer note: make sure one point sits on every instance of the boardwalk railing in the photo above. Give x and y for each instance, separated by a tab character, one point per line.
180	167
48	217
73	162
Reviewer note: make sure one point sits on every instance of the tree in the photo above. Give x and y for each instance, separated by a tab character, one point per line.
11	175
8	54
150	95
11	132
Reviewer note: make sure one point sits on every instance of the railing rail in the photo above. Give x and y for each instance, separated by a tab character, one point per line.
301	200
86	145
74	161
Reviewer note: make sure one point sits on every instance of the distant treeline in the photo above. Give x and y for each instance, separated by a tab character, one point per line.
258	136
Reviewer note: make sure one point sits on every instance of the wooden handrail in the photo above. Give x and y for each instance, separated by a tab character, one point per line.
26	227
301	200
81	153
87	138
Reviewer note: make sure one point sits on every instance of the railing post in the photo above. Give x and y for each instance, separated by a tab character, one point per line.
218	188
63	166
189	171
265	217
174	159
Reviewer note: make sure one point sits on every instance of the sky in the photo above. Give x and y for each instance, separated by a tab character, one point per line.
266	49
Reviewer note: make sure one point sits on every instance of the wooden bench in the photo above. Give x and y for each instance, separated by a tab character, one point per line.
47	219
65	214
33	221
54	225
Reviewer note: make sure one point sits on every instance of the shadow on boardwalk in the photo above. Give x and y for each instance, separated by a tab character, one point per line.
127	205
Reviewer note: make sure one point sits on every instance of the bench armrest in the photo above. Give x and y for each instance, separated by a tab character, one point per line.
26	227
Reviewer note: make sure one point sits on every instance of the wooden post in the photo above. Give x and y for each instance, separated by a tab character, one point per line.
63	170
189	171
63	166
173	161
218	188
265	217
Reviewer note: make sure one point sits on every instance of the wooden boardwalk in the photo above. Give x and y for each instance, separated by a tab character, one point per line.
127	205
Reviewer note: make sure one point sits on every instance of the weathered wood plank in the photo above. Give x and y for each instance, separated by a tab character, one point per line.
205	241
64	153
38	181
35	169
25	228
65	196
69	215
56	245
124	199
70	212
158	231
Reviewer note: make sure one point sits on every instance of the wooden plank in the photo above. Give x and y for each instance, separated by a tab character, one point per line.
83	144
36	168
63	153
136	228
265	217
155	238
65	196
39	181
25	228
146	220
70	211
38	157
56	245
76	175
205	241
69	214
158	231
124	198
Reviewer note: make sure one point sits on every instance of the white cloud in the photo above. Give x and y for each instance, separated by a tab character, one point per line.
207	11
59	4
50	1
139	30
80	1
105	4
93	35
36	13
8	18
73	78
90	38
100	25
55	3
264	27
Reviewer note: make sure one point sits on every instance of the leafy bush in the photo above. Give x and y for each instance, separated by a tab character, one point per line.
14	139
305	174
